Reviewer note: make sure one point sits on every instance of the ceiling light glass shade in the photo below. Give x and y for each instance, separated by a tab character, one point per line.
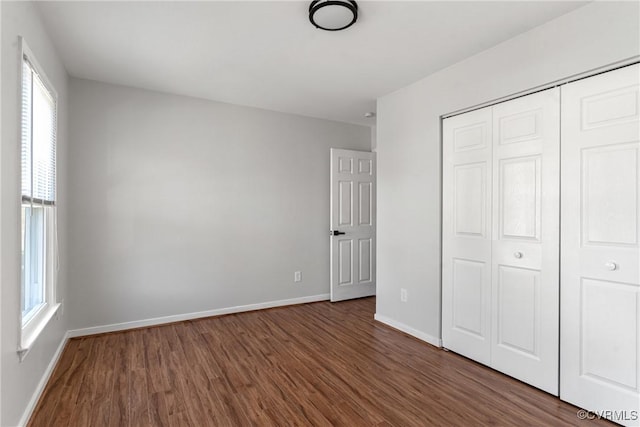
333	15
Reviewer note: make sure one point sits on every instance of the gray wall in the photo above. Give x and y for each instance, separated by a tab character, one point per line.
19	380
408	141
182	205
0	212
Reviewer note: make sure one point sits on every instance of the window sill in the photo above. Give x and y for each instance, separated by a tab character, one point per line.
42	320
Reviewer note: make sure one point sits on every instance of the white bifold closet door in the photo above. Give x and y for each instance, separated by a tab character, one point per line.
501	237
600	315
526	247
466	240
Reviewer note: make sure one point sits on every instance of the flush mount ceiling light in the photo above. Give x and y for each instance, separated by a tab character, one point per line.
333	15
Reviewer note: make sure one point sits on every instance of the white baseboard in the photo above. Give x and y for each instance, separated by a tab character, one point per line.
190	316
43	382
408	330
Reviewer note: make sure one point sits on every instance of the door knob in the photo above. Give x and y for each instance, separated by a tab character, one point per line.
336	232
518	254
611	266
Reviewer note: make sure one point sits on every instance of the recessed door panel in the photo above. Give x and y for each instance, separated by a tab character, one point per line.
610	194
364	200
469	297
345	165
471	137
519	127
519	310
610	108
520	198
346	203
470	197
345	248
365	166
609	333
365	253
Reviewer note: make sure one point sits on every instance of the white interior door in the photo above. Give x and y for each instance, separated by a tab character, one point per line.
500	240
525	251
466	242
353	224
600	297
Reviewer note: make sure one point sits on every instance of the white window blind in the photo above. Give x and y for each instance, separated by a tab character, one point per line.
38	138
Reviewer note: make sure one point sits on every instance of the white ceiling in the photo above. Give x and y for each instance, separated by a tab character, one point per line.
266	54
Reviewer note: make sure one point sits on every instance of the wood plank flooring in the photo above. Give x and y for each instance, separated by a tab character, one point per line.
317	364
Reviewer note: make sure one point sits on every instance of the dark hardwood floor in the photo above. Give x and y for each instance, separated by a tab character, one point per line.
315	364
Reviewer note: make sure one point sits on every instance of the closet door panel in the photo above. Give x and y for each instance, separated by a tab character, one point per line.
519	193
518	299
466	251
600	298
525	249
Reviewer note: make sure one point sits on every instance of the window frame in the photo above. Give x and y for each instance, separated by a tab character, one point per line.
34	235
38	320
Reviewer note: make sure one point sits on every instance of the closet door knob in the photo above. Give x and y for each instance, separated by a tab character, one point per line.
611	266
518	254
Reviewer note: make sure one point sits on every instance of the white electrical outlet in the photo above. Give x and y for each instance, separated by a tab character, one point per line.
403	295
297	276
